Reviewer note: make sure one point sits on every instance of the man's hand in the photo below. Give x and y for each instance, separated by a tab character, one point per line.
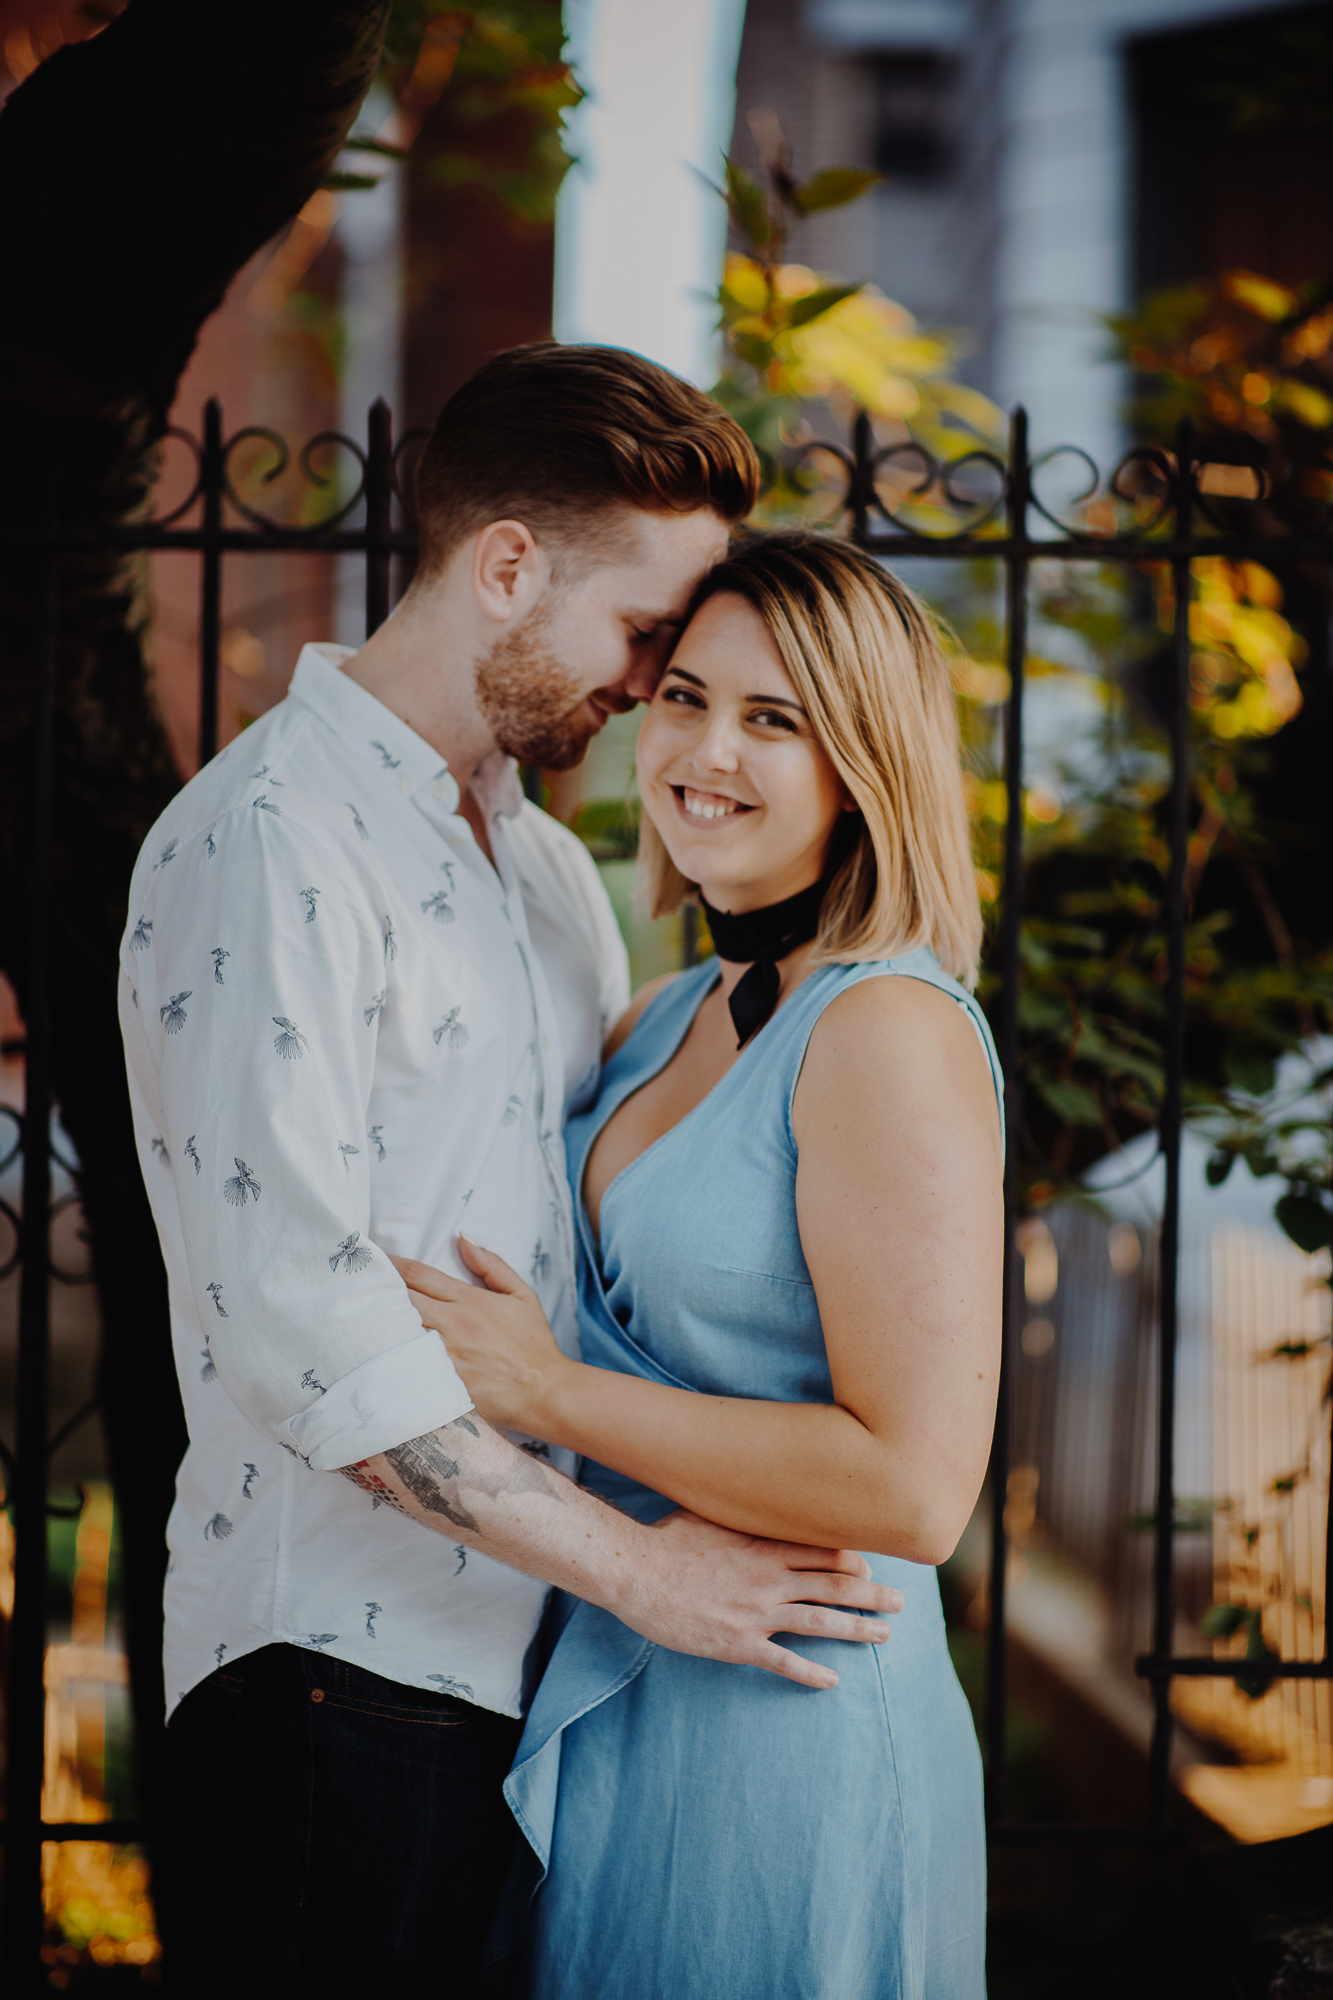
685	1584
723	1595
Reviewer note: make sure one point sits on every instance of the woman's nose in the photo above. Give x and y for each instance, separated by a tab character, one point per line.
719	750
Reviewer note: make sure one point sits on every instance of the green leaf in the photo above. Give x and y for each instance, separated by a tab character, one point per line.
749	210
802	311
1306	1220
1249	1066
1218	1167
751	347
1072	1102
1221	1621
833	187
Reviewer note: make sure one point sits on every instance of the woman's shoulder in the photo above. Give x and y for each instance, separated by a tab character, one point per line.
898	1018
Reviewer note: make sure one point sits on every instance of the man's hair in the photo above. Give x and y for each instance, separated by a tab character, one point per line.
555	436
864	655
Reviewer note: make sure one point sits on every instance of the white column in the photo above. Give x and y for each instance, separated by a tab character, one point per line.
639	240
371	233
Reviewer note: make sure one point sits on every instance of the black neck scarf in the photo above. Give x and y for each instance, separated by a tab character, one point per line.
759	938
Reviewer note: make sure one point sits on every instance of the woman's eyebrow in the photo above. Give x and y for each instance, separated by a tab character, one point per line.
681	675
775	701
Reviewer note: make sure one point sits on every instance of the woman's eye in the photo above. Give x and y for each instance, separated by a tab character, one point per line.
681	697
774	718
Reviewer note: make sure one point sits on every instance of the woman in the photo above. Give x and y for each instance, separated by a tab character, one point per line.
789	1202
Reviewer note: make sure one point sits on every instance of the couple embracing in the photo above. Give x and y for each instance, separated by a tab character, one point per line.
487	1279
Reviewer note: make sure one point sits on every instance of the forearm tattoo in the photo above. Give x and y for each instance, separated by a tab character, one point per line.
427	1471
371	1483
433	1474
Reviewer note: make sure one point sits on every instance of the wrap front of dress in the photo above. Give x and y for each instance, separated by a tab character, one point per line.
705	1830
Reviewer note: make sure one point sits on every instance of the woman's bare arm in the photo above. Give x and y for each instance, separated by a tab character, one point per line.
899	1201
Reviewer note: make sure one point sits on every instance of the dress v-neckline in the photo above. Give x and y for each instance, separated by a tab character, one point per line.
595	1235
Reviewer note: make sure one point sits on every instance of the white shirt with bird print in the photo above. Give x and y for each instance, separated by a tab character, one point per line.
349	1035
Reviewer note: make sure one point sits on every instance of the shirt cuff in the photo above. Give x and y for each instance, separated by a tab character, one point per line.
394	1396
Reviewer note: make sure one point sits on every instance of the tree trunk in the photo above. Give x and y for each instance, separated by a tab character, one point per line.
138	172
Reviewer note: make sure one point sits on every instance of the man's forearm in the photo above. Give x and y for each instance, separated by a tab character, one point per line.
468	1482
686	1584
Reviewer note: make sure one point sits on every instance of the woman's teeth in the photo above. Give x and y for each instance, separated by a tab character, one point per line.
707	805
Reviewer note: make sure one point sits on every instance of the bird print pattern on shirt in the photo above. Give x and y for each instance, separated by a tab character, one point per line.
541	1263
212	844
311	1381
448	1685
218	1652
160	1148
439	907
452	1029
290	1044
372	1613
142	934
317	1641
388	762
512	1109
373	892
376	1007
357	821
219	1528
251	1473
352	1254
241	1186
168	854
172	1016
265	804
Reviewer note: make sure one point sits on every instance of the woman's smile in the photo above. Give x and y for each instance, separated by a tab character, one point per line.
697	805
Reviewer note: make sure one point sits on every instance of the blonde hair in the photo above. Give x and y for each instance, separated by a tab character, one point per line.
864	656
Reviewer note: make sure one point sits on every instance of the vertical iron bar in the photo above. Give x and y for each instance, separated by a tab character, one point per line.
1164	1592
210	605
863	476
379	503
1016	582
23	1922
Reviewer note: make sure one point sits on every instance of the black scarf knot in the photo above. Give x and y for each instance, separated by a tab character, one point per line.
759	939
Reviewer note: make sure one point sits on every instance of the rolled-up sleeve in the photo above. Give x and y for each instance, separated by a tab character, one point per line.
261	990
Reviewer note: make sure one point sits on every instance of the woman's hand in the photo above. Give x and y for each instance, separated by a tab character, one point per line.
498	1339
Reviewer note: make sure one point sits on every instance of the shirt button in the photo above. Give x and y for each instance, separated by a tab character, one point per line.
403	782
316	1694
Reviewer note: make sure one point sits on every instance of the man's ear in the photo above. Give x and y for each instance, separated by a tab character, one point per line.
509	571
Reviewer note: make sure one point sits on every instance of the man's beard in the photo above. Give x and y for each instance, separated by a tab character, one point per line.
530	698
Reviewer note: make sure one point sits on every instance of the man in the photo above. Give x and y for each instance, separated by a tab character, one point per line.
359	976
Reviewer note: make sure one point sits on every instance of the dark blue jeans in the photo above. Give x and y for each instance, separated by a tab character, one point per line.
334	1833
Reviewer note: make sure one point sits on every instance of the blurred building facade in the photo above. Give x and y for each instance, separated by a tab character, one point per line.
1046	162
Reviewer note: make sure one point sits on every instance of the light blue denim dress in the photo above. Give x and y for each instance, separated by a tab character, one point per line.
711	1832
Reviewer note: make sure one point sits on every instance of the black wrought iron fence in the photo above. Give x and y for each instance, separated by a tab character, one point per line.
899	503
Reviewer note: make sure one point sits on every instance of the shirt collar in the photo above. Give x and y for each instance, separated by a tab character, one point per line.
383	742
